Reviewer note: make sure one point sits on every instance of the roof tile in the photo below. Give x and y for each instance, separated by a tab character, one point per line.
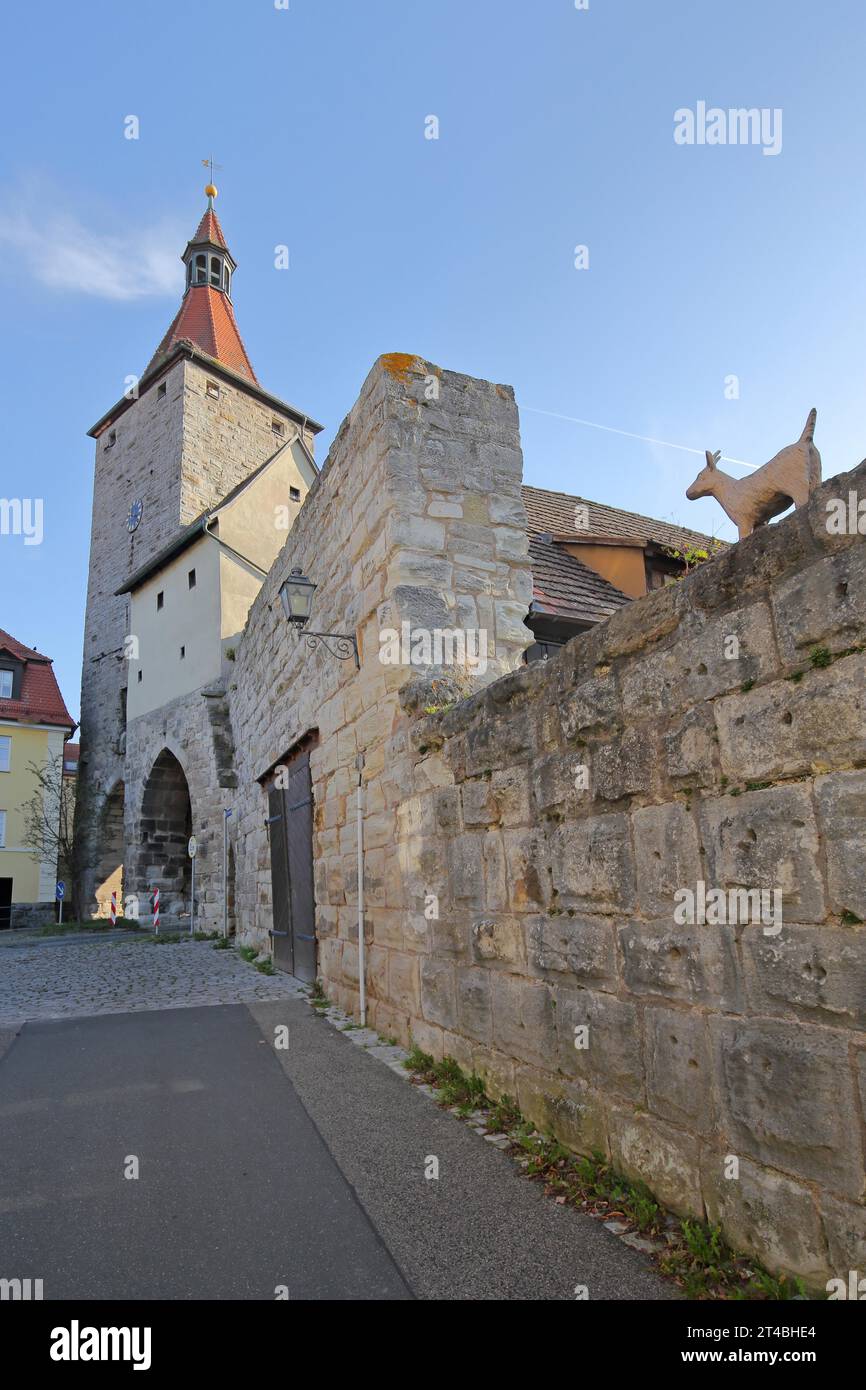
553	512
41	701
565	587
206	319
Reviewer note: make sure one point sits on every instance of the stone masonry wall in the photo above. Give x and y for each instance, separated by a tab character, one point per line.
399	527
738	764
524	845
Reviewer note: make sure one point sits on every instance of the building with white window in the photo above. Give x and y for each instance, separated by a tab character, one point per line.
34	725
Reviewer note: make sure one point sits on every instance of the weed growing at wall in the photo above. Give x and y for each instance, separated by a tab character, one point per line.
693	1254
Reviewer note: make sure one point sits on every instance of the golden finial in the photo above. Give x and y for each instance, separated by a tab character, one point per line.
211	190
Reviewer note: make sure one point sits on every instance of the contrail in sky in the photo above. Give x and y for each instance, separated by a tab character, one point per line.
665	443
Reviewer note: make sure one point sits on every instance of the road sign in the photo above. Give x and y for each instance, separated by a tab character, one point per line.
192	847
60	891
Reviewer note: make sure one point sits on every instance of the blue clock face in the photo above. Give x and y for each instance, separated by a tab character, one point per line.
133	520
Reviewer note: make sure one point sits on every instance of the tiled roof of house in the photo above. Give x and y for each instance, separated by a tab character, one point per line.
41	701
553	512
564	587
207	320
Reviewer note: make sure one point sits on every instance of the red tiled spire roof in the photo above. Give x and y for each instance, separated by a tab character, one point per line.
206	317
209	229
40	699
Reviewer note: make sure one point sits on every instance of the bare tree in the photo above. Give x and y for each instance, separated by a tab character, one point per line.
48	823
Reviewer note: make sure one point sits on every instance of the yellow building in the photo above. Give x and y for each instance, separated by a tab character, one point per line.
34	725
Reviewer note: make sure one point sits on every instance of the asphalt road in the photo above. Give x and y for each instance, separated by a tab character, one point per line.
237	1194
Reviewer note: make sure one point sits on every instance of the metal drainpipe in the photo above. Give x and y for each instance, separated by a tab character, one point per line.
362	944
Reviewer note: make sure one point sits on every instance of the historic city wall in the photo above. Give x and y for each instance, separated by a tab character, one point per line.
416	518
528	848
709	736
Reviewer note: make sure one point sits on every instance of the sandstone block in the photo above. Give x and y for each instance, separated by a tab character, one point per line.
823	605
817	972
571	1111
679	1068
786	1096
499	939
592	864
689	746
523	1022
784	729
581	946
665	1159
474	1003
766	839
705	662
667	855
693	964
841	802
766	1214
439	992
608	1030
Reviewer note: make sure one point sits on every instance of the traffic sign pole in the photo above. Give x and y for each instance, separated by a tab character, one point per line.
192	850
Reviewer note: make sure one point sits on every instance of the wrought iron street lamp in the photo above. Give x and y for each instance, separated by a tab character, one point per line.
296	596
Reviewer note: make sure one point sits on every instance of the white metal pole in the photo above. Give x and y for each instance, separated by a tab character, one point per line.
362	944
60	914
226	815
192	904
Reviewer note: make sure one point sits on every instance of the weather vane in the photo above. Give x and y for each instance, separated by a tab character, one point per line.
211	188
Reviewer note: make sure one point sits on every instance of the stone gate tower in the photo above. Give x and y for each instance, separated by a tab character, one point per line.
189	434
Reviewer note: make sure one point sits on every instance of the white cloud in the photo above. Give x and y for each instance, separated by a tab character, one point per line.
58	251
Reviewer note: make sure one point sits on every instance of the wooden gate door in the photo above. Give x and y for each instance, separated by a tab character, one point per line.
290	821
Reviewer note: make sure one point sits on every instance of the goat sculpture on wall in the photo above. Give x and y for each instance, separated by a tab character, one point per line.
791	477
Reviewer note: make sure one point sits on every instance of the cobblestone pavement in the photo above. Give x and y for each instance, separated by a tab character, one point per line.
81	978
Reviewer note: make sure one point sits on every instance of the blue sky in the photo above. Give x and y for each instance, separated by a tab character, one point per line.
556	130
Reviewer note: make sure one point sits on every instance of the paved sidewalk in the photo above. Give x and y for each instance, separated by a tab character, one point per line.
70	979
480	1231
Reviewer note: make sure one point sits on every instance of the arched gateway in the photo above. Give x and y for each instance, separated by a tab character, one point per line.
164	829
109	869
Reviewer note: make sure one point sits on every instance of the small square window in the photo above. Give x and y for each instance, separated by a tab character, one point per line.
161	390
191	579
213	390
295	494
160	601
278	427
112	439
140	674
183	653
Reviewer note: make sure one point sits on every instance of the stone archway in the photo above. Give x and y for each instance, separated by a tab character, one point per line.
110	852
163	835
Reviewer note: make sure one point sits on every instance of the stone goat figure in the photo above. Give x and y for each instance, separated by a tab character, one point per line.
750	502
